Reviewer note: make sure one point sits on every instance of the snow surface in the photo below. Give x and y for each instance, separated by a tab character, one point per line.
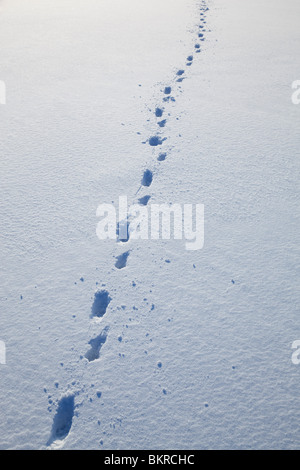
144	345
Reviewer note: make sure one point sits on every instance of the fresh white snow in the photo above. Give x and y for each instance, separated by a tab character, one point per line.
145	345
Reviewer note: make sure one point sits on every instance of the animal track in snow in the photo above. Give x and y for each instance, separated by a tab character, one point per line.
122	260
62	421
147	178
167	90
100	304
180	72
96	344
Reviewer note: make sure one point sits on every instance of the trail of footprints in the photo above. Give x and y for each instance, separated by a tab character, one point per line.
65	410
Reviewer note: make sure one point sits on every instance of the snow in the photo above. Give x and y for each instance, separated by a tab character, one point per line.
143	344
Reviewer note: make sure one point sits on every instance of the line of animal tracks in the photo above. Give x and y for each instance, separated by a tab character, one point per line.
65	407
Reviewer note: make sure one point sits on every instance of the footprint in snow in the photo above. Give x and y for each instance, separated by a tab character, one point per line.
162	123
161	157
156	140
123	231
189	59
169	98
100	304
121	260
96	344
144	200
147	178
62	421
159	112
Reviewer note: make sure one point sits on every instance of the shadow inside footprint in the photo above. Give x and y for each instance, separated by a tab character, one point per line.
100	304
144	200
122	260
63	418
162	123
96	344
155	140
147	178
